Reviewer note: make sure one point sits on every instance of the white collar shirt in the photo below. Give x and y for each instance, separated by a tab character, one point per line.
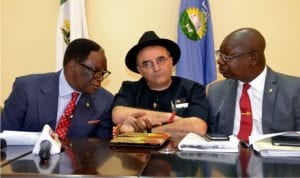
255	93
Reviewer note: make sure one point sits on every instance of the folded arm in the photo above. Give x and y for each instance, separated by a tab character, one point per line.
121	113
136	120
181	127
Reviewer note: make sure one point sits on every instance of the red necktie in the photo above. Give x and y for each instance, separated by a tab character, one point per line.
244	156
246	115
65	119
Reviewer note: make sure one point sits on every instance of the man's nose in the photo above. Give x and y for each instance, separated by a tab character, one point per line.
220	61
156	67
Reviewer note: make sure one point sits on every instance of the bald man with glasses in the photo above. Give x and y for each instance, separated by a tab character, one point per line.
253	99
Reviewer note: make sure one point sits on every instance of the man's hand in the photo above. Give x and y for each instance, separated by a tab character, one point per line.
136	122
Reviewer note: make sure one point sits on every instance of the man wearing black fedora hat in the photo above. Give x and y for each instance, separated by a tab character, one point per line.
159	102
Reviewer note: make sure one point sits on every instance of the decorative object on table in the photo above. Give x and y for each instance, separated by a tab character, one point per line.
134	139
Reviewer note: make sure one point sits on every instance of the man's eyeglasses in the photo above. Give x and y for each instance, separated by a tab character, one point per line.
147	64
96	73
229	58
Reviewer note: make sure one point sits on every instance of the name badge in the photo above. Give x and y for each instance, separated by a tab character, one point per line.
182	105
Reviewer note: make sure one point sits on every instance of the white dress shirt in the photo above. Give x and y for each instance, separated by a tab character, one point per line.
255	93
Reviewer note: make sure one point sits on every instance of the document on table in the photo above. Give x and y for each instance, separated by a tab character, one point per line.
20	137
264	146
194	142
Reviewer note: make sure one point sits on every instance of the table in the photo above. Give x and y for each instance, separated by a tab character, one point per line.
88	157
14	152
94	157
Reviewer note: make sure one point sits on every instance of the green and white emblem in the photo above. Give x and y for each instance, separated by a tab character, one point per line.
193	23
66	31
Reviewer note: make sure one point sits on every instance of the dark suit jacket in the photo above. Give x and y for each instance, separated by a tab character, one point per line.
281	104
33	103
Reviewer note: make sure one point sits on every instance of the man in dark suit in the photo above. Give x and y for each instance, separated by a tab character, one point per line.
41	99
275	97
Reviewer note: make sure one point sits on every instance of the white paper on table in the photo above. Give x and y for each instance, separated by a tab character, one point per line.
49	135
194	142
264	146
20	137
253	139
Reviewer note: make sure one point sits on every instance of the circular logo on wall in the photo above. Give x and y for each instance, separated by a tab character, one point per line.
193	23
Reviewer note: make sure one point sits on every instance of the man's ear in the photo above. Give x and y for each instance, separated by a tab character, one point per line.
72	65
255	58
70	68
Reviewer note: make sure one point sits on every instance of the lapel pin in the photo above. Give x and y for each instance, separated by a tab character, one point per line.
87	104
270	90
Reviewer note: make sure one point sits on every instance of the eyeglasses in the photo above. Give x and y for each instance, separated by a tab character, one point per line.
229	58
147	64
96	73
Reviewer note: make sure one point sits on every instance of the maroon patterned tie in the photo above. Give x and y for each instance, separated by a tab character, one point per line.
65	119
246	115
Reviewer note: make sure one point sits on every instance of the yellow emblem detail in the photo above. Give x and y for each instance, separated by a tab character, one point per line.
66	31
198	19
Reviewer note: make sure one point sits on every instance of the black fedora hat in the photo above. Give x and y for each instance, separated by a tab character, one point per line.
149	38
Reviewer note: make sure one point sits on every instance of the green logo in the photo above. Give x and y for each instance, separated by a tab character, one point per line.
193	23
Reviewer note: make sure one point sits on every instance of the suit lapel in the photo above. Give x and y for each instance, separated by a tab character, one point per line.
48	100
84	111
228	105
270	91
